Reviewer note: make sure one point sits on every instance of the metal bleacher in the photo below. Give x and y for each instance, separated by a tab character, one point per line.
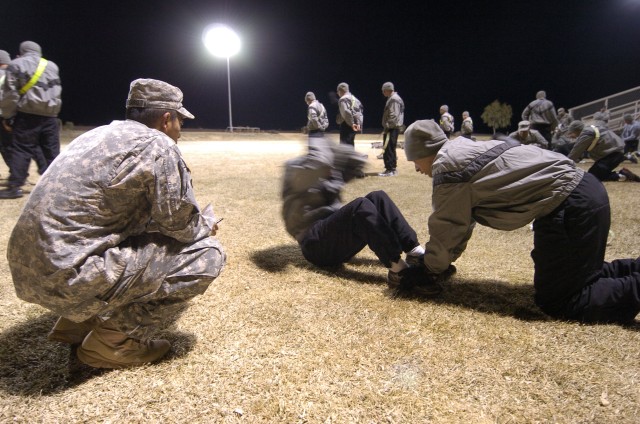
617	105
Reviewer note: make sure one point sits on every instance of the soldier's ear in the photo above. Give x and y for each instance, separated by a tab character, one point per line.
166	118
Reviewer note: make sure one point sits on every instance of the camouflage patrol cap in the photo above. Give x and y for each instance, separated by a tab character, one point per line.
156	94
524	125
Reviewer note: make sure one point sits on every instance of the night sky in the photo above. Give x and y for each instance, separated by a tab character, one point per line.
461	53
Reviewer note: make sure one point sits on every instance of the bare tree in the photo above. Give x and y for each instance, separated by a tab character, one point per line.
497	115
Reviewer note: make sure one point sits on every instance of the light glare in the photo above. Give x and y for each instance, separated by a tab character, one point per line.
221	41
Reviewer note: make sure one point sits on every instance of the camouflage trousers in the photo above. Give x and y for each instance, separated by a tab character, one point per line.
149	278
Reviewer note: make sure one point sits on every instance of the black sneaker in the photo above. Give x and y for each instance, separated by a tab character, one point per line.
11	193
630	176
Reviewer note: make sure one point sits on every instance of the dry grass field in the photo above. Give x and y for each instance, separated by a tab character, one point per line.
276	340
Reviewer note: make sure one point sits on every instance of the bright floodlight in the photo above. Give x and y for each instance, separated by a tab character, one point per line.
221	41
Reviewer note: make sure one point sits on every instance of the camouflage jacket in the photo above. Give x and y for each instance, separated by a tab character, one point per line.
112	183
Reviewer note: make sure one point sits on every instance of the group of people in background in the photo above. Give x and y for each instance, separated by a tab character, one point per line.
541	126
350	120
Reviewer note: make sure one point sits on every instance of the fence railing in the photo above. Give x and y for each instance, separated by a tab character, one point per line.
617	105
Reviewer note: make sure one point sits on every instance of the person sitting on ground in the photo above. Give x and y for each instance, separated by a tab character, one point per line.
112	238
329	232
630	136
505	185
603	146
526	135
559	141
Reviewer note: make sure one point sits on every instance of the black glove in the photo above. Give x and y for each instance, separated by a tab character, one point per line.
417	281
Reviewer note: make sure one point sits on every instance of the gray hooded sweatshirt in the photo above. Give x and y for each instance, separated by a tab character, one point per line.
43	98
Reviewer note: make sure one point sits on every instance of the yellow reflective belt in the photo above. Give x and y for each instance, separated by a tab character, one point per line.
595	140
34	79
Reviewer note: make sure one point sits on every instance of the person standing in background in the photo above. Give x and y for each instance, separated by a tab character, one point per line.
350	116
31	101
317	121
392	121
542	115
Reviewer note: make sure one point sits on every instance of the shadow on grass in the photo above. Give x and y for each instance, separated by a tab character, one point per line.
30	365
276	259
492	297
487	296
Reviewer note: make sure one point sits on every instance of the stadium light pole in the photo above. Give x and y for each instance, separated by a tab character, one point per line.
222	41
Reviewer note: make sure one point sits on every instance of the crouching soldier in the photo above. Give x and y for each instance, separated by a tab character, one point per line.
112	238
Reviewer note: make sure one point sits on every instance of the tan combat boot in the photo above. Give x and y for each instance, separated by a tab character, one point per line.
106	348
67	331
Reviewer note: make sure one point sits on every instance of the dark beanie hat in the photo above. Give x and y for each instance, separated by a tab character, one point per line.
4	58
30	47
575	126
422	139
599	116
388	86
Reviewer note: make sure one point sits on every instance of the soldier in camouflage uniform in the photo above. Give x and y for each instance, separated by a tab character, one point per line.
112	238
527	135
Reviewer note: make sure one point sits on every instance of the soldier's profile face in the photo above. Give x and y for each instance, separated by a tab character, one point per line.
424	165
173	128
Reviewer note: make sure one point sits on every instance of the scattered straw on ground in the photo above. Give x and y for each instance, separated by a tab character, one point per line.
275	339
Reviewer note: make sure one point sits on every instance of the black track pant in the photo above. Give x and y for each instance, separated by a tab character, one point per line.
373	220
389	156
30	133
571	278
